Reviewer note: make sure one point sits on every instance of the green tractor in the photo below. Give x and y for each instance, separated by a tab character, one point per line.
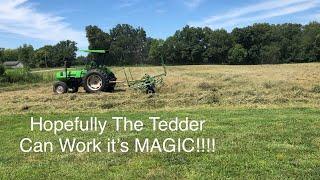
92	79
95	79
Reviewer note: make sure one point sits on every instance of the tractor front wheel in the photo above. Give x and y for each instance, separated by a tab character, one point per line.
60	87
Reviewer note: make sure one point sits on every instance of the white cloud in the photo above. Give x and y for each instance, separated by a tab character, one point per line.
127	3
193	3
19	17
257	12
160	11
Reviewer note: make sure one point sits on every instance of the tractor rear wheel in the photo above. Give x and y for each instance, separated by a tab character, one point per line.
94	81
60	87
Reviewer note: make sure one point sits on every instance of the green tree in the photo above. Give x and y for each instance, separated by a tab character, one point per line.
186	46
217	45
1	54
253	38
170	53
26	54
124	45
289	41
237	54
270	54
10	55
309	41
156	52
81	60
45	56
317	47
99	40
128	44
65	50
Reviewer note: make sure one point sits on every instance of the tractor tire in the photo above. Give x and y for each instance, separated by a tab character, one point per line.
110	86
95	81
73	89
60	87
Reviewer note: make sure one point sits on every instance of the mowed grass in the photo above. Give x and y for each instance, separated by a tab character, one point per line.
287	85
250	143
265	120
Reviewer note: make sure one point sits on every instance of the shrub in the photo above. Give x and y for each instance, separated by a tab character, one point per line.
2	70
20	75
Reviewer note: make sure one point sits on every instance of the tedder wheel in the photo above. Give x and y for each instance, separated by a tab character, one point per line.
94	81
60	87
150	89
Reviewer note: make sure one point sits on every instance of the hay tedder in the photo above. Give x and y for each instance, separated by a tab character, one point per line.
100	78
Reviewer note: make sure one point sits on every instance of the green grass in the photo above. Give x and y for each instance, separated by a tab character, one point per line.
19	76
250	143
16	79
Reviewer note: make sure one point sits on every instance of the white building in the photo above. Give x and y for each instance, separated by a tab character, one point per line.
13	64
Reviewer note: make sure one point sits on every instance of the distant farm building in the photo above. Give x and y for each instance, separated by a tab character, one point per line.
13	64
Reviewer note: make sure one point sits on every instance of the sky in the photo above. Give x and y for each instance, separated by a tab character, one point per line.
39	22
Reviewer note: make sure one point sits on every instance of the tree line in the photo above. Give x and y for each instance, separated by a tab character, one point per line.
46	56
257	44
260	43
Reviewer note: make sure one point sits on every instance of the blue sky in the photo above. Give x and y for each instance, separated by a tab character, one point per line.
39	22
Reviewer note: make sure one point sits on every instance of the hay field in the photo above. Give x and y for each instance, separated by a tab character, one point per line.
288	85
265	120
